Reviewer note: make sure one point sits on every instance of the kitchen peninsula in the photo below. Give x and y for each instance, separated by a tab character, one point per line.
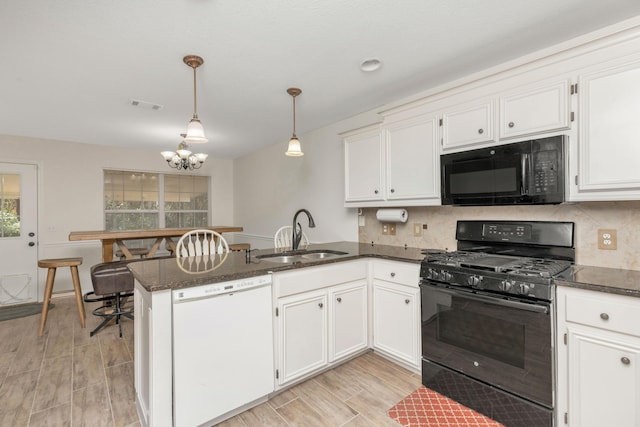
344	277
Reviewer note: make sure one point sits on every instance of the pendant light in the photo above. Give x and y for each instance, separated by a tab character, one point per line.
294	149
195	131
182	158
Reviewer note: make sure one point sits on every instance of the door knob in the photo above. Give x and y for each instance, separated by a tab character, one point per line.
32	234
339	299
32	244
625	360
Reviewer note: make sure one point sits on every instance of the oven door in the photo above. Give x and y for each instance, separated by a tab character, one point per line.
504	343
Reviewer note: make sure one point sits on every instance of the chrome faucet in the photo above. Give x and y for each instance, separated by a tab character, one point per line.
296	235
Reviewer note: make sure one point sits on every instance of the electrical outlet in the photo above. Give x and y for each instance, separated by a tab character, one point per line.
361	221
608	239
389	229
392	229
417	229
385	229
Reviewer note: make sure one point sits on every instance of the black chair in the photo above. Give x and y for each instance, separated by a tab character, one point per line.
113	285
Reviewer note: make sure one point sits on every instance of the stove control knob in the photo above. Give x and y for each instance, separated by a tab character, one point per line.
432	274
523	289
444	275
506	285
474	281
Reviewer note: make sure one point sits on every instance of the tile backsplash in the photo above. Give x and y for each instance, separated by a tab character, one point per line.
588	217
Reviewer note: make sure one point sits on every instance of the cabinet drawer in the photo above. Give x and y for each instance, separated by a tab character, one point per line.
397	272
610	312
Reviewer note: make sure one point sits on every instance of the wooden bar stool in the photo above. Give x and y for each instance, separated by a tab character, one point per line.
51	265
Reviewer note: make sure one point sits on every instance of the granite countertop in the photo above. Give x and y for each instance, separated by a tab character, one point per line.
601	279
157	274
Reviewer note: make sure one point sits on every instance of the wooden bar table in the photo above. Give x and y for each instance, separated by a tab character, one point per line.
108	238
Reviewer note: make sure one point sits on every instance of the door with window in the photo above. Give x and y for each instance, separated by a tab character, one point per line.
18	234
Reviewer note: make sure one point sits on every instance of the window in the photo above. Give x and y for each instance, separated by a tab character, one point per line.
9	205
186	200
140	200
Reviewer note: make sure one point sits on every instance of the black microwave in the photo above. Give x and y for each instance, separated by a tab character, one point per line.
528	172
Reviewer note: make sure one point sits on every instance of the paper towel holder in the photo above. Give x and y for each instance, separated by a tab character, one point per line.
392	215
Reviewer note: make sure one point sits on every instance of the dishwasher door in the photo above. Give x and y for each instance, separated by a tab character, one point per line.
222	353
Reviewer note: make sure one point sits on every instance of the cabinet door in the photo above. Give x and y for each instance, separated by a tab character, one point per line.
609	129
604	381
396	321
468	125
347	319
364	165
413	165
303	331
535	110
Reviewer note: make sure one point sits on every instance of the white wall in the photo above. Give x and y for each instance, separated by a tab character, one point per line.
70	193
270	187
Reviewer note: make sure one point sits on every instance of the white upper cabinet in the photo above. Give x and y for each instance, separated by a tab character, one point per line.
412	158
609	133
538	108
363	165
394	164
468	124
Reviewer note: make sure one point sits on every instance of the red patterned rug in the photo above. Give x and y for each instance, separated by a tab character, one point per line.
427	408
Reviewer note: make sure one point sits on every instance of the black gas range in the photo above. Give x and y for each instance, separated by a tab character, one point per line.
488	317
503	274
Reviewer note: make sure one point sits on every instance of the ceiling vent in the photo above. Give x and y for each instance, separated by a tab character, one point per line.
145	105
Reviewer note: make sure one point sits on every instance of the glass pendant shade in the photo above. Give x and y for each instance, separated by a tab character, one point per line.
195	132
294	149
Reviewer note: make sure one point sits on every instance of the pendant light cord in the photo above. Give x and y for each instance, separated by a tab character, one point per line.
195	108
294	116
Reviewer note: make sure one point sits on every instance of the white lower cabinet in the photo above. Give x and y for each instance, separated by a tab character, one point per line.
303	328
396	311
347	319
598	359
321	318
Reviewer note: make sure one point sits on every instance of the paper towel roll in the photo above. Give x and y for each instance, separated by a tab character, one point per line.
392	215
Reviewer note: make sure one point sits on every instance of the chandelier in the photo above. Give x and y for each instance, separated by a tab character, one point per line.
182	158
294	149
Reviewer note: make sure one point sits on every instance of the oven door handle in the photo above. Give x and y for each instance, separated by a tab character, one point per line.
497	301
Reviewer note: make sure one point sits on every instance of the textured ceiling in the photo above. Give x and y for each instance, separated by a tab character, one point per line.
68	68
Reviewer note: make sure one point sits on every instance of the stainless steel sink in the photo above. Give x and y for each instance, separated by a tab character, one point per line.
284	259
301	255
322	254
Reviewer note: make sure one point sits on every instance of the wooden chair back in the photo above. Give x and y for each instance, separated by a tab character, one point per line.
201	242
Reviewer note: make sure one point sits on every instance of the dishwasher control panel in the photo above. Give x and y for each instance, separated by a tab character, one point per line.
213	289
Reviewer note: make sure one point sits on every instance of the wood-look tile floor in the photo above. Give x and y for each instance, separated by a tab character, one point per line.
66	378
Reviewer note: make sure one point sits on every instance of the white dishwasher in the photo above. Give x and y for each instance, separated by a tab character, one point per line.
222	348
